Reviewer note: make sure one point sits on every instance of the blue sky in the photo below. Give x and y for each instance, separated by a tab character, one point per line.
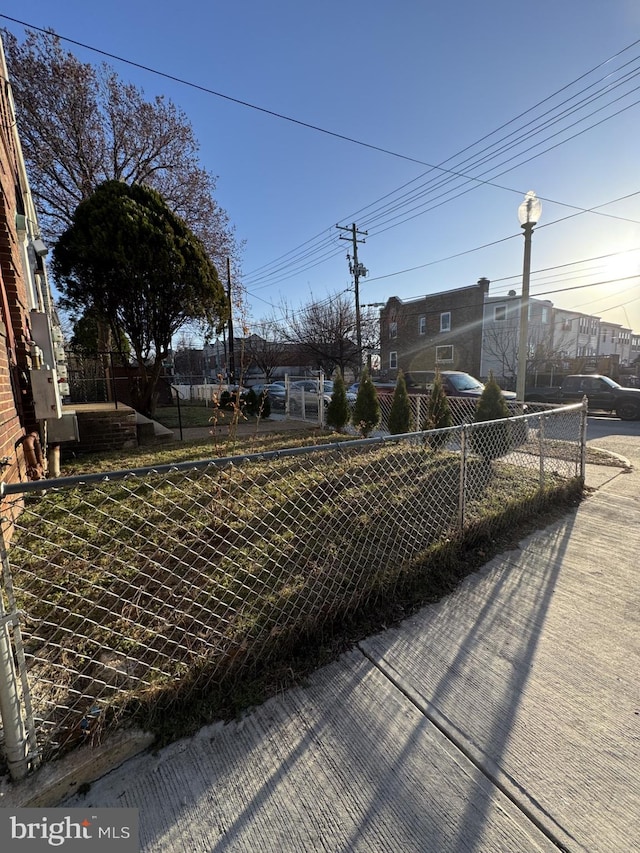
423	81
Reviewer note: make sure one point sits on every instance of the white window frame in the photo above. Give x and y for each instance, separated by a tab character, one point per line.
422	325
393	330
393	360
499	313
443	357
445	325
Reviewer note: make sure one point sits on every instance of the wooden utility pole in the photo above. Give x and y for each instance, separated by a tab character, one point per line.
232	361
358	271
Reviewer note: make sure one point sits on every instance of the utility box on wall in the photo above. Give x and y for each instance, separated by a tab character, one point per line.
63	429
46	399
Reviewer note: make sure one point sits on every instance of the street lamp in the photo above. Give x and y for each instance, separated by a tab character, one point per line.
528	215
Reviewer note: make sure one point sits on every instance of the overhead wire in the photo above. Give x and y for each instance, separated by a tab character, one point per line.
296	261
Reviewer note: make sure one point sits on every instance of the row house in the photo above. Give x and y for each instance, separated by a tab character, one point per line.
615	339
440	331
576	334
501	335
32	359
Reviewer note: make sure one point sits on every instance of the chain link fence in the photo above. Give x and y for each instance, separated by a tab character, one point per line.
147	588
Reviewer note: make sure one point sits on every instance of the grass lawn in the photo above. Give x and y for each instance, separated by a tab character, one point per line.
168	453
186	596
197	413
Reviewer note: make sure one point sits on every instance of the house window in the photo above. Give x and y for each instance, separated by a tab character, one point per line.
444	354
500	313
545	315
393	329
393	360
422	325
445	321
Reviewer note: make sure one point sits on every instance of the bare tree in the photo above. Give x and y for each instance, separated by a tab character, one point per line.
81	125
265	348
500	346
370	332
325	332
188	360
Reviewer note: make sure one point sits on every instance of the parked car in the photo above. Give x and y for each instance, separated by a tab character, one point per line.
381	388
276	392
602	392
309	390
456	383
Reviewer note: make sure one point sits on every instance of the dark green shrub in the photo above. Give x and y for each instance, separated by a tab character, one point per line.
438	413
264	405
338	412
226	401
251	402
494	440
400	417
366	412
257	406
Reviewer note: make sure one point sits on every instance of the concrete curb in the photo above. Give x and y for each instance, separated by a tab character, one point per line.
624	462
49	785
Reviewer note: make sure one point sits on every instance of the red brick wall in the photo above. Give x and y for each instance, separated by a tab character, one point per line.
416	350
16	408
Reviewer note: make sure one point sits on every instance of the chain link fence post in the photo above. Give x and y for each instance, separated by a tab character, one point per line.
583	438
15	739
463	478
541	423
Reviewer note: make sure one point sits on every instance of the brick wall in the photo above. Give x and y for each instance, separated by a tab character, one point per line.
104	430
16	407
413	330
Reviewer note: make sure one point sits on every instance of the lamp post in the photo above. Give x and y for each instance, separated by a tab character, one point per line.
528	215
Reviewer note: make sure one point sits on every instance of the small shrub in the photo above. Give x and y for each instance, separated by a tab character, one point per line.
495	440
257	406
400	417
366	412
226	401
338	412
438	413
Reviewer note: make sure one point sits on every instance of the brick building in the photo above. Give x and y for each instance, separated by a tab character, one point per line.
443	330
30	338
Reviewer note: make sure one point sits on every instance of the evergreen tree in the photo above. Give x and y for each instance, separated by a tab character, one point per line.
140	269
438	412
495	440
366	412
338	412
400	417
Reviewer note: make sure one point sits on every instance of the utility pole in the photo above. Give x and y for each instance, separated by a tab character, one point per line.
232	361
357	270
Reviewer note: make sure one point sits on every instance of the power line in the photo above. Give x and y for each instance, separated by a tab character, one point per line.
446	175
317	128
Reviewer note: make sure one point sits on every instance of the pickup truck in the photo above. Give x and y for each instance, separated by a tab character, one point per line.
602	392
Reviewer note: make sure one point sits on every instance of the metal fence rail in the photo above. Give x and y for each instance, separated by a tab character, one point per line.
115	585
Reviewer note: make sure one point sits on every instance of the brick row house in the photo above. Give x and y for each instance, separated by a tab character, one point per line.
31	353
441	331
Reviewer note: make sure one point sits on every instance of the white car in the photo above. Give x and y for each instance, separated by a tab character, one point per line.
309	389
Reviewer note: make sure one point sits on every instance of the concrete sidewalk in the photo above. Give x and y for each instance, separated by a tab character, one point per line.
503	718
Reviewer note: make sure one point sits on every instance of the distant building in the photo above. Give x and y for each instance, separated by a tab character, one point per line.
614	339
501	335
439	331
575	334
